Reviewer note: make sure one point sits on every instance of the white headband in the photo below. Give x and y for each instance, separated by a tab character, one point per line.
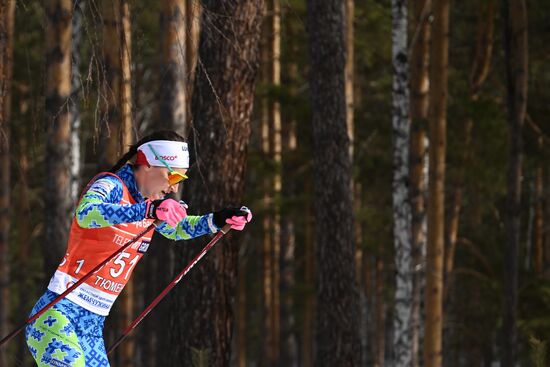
174	153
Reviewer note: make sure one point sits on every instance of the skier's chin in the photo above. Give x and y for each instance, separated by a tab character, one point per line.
157	196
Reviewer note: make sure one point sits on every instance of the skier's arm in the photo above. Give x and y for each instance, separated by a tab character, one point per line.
194	226
100	205
190	227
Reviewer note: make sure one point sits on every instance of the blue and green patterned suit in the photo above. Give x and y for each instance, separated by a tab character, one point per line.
68	334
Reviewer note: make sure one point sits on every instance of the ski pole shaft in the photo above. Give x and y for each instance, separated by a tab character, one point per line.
172	284
79	282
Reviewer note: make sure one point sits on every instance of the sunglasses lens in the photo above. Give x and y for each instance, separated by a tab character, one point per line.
175	178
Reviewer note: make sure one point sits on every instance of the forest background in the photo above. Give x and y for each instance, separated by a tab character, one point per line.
394	155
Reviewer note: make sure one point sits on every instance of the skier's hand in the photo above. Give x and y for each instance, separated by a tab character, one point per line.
167	210
237	217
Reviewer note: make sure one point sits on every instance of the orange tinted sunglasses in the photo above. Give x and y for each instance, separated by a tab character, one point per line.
174	177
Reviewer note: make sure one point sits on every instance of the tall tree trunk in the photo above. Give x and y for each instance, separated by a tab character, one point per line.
58	127
539	218
546	248
271	141
172	99
309	302
222	105
241	316
289	339
349	71
192	20
126	139
514	14
337	334
480	70
401	204
268	337
116	120
117	133
379	345
275	135
173	107
76	85
23	242
7	8
420	54
436	207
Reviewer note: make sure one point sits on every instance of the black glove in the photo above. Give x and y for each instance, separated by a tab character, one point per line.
221	216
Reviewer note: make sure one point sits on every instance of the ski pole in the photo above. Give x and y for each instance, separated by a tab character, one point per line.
172	284
80	281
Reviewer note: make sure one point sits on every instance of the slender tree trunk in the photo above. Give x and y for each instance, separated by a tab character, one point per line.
275	135
173	73
309	307
271	141
7	8
58	127
173	114
116	120
289	342
337	333
127	131
222	106
546	249
480	70
268	337
289	339
436	208
192	20
117	132
128	349
349	31
241	316
23	243
514	14
539	218
418	183
380	314
356	186
369	308
76	85
401	204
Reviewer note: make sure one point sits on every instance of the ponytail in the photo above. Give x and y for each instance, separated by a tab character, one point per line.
125	158
158	135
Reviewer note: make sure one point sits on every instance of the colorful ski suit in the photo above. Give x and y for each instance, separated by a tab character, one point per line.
110	213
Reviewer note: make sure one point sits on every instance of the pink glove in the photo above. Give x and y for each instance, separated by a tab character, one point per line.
237	217
238	222
168	210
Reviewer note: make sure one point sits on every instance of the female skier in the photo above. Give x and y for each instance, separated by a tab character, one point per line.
113	209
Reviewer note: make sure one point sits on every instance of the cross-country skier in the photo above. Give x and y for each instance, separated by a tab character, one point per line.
113	209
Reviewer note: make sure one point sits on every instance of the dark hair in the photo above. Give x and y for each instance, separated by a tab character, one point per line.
157	135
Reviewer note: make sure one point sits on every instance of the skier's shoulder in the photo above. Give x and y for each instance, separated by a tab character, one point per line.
106	184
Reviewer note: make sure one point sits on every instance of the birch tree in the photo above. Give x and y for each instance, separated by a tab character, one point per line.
401	204
76	85
420	84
